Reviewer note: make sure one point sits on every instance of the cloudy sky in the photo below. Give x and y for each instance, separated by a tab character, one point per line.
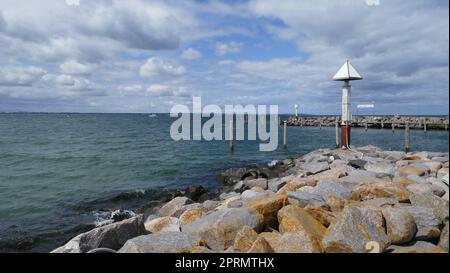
146	56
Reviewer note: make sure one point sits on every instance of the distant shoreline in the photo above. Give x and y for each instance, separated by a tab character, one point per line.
375	122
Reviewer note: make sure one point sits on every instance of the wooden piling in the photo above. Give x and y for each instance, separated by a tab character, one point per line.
382	125
425	125
337	132
285	135
393	127
367	126
231	143
407	138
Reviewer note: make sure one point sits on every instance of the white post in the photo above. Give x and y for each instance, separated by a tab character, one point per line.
346	115
285	135
407	138
346	97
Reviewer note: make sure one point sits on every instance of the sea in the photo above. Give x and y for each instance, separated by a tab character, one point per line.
63	173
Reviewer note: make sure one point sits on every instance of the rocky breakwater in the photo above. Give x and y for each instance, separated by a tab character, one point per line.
350	201
415	122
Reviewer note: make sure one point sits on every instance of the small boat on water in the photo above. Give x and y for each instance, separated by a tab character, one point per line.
152	116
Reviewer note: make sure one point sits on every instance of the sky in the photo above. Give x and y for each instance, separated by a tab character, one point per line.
138	56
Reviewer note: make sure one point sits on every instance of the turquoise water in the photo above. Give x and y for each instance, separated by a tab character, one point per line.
53	164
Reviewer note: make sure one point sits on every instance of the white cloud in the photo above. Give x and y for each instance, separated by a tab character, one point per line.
191	54
226	48
82	84
160	68
400	47
160	90
20	76
73	2
133	88
68	81
72	67
64	80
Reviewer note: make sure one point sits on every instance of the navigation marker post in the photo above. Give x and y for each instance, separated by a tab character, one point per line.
346	74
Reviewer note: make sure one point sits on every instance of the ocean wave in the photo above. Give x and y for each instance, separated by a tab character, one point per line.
108	217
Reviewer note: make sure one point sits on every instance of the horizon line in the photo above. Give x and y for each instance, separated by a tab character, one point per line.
149	113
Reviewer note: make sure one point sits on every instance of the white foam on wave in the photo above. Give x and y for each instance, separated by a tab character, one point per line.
107	217
273	163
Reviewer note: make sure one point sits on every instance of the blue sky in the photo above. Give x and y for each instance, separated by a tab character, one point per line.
146	56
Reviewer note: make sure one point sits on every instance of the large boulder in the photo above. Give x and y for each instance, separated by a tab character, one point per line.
325	217
162	224
190	216
433	166
210	205
272	238
331	174
260	182
441	159
351	233
392	155
380	167
428	223
268	207
110	236
400	225
443	174
383	189
381	202
250	194
165	242
245	238
438	205
416	179
315	167
426	188
218	229
294	219
421	166
261	246
357	163
419	247
443	241
359	175
327	188
304	198
409	169
173	207
296	184
335	204
277	183
292	242
372	214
